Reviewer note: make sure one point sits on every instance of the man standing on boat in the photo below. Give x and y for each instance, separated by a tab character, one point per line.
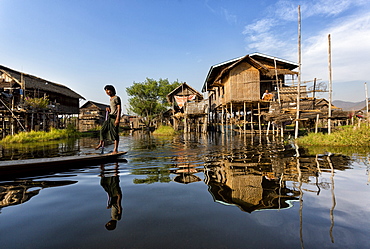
110	127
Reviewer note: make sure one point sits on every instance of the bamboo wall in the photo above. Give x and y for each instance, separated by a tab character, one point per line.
243	84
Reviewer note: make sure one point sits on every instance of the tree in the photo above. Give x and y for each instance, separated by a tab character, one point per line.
148	99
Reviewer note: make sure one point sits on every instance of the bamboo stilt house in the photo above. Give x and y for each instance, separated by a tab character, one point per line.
187	104
17	111
92	115
246	78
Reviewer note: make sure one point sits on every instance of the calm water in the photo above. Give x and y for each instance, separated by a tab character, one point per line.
191	192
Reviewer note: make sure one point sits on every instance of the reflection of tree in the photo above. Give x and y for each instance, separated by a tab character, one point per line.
154	174
18	192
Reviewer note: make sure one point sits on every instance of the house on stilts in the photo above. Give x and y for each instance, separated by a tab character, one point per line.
189	109
247	92
28	103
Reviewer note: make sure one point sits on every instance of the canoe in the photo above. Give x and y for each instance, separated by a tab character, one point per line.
27	165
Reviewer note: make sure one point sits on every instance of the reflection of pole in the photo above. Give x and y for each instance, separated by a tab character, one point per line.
280	183
333	199
300	195
318	171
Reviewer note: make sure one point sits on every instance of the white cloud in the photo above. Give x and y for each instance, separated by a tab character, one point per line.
350	46
350	40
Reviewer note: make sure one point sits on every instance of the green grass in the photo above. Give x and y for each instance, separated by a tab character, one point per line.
39	136
165	130
344	136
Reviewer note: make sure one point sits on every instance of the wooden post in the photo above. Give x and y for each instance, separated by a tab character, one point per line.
222	120
245	116
330	84
367	104
317	123
299	72
231	117
252	119
277	83
259	117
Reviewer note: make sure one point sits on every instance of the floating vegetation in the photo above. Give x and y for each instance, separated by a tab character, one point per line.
343	136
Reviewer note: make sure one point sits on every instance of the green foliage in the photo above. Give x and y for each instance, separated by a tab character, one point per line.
344	136
39	136
36	103
148	99
165	131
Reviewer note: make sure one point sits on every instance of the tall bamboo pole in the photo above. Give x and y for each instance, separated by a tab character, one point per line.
299	72
367	103
330	84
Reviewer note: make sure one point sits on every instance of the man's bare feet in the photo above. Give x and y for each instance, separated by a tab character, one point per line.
99	146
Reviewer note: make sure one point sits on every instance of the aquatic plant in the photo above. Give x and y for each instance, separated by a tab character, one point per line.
39	136
343	136
165	130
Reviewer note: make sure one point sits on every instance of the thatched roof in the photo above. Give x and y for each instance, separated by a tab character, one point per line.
35	83
257	60
184	90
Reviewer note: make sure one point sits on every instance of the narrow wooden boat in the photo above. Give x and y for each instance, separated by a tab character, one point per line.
27	165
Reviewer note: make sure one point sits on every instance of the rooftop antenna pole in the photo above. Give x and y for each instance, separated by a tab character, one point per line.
330	84
299	73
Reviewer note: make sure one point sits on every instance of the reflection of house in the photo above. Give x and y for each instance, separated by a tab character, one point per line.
267	177
16	86
249	191
187	103
92	115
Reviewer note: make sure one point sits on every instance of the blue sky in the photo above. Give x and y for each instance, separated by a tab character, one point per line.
86	44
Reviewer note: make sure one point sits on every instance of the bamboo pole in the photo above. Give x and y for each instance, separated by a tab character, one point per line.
317	123
367	103
245	116
277	83
259	117
222	119
330	84
299	73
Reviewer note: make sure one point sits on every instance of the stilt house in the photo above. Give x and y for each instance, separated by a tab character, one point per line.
237	86
16	112
188	104
92	115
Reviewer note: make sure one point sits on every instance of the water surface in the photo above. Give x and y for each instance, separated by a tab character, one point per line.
194	191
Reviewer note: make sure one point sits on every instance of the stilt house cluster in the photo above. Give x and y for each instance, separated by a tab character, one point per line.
28	102
253	92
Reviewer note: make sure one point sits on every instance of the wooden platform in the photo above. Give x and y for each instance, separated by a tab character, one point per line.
20	166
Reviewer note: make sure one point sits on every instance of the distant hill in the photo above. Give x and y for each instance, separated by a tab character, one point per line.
349	106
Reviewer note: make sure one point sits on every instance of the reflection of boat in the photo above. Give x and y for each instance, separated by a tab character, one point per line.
16	166
19	192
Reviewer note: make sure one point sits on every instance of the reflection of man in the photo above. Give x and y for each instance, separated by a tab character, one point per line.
110	182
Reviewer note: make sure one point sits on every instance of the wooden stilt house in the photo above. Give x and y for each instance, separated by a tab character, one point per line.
188	106
28	102
236	87
92	115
